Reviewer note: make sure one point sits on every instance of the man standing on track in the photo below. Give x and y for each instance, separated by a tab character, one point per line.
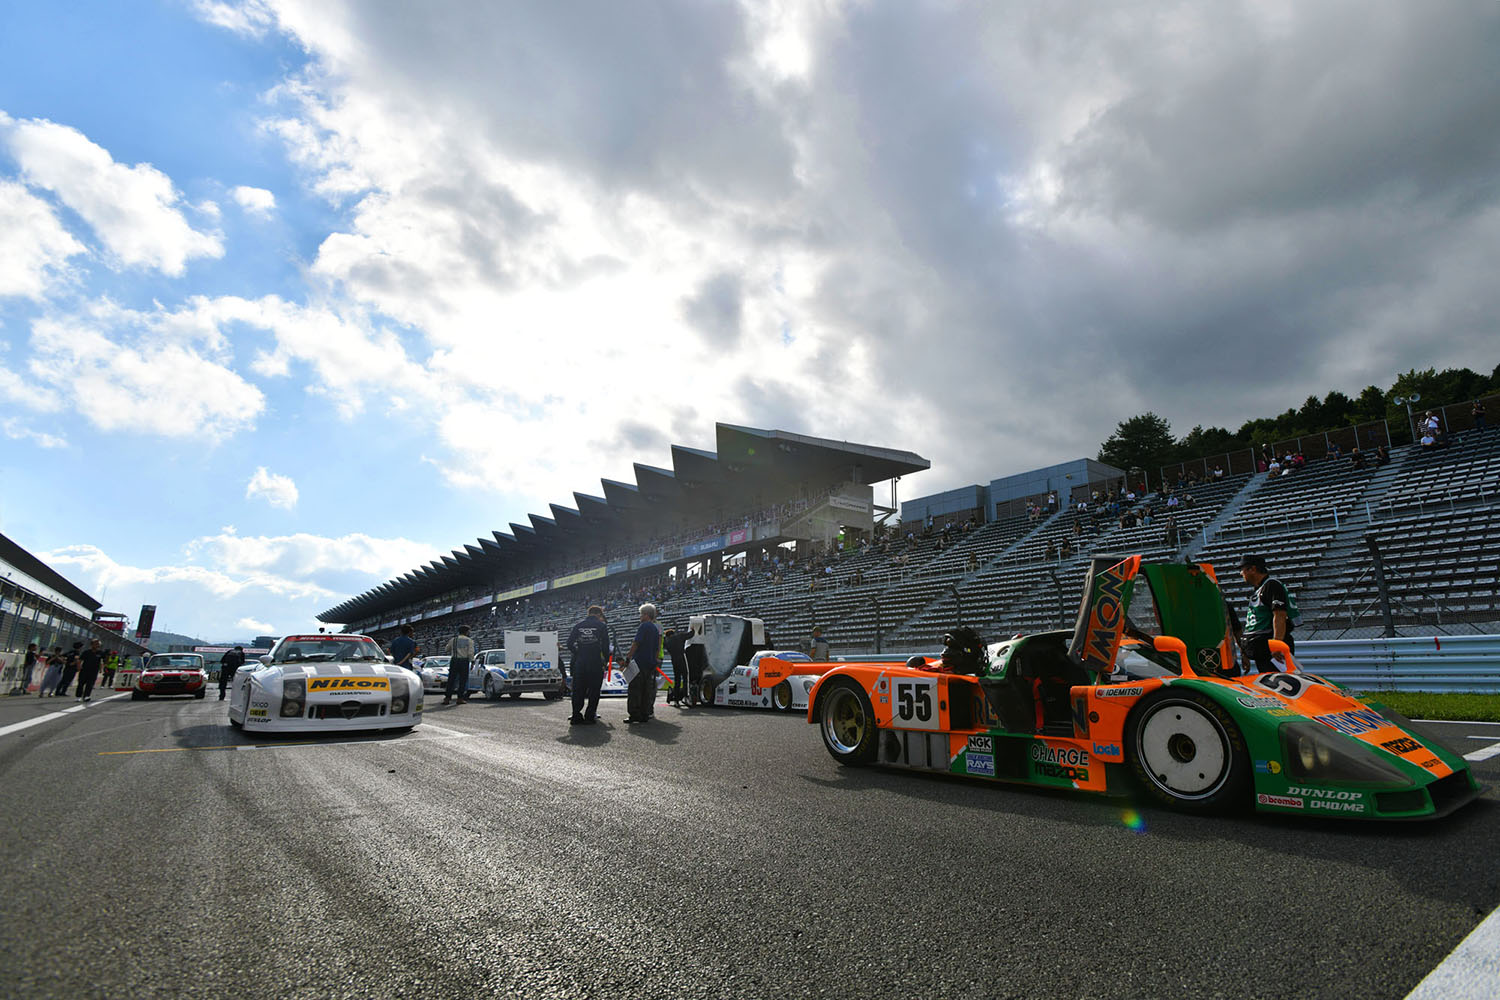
89	664
645	657
460	650
404	647
228	666
589	645
675	643
69	668
1271	614
27	668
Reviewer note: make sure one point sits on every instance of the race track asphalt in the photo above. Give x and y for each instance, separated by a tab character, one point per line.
151	851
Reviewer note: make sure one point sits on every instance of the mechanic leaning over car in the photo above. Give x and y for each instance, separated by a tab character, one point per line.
1271	614
589	643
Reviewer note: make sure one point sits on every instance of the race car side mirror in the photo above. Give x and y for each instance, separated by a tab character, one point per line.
265	659
1172	644
1281	649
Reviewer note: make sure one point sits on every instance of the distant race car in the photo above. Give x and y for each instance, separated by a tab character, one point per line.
1109	707
171	673
434	674
325	682
741	689
496	677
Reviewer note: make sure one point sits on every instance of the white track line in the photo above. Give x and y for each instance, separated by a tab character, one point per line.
1471	972
1484	753
16	727
1458	722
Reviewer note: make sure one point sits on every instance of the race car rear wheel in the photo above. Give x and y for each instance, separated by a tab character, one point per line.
847	722
781	696
1187	752
706	691
515	695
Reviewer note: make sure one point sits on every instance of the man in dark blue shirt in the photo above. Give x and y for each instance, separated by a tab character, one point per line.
645	653
404	647
589	643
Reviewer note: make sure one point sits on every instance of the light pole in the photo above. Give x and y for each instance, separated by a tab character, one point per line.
1411	426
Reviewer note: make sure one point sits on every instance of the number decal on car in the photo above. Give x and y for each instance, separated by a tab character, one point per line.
1285	685
915	705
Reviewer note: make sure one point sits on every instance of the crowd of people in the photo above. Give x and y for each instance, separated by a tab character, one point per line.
77	669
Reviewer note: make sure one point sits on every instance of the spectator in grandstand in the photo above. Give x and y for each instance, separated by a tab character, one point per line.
231	662
1050	552
1429	440
1477	412
1218	471
1356	457
1334	451
460	650
1382	456
1431	423
404	647
643	660
589	643
1271	614
817	646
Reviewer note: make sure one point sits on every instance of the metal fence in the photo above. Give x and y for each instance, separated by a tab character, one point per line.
1429	663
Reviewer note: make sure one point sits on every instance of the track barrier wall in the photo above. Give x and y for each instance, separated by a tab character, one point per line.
1427	663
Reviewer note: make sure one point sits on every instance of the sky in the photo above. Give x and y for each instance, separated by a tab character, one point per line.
298	295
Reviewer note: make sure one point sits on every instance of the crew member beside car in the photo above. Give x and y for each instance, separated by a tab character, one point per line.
460	650
1270	615
588	643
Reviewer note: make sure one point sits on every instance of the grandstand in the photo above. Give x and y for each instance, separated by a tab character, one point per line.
1432	514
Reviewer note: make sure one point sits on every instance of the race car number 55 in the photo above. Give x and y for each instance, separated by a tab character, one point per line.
915	705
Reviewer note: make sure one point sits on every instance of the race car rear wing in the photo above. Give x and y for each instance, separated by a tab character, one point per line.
772	670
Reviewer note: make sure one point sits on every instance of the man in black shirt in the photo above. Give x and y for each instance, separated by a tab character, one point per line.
69	668
589	643
89	663
675	639
1269	616
228	665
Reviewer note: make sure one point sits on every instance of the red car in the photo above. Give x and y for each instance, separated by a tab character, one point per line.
172	673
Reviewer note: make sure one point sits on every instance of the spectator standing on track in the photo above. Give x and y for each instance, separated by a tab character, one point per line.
817	647
460	650
90	661
69	668
643	659
111	664
229	664
674	641
1271	615
589	644
404	647
27	667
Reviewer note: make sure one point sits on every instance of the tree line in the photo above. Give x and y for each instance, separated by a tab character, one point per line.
1146	441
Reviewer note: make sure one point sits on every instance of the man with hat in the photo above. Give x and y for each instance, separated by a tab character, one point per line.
1271	614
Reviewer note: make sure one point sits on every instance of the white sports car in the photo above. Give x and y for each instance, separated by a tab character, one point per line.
434	672
321	682
497	677
741	689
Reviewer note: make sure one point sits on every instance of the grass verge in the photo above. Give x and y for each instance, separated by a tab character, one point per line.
1426	705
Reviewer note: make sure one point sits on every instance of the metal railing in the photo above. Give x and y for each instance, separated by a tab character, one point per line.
1428	663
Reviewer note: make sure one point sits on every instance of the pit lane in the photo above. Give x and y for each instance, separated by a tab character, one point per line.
714	853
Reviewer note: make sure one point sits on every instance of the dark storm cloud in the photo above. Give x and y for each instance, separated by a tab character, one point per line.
715	310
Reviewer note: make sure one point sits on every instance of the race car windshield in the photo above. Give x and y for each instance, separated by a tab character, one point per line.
1138	662
177	662
329	649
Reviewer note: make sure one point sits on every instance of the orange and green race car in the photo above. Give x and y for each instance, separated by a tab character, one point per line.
1110	708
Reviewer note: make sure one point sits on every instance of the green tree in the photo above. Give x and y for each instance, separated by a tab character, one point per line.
1142	442
1201	441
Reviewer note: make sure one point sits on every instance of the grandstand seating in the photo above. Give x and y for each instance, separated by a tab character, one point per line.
1435	515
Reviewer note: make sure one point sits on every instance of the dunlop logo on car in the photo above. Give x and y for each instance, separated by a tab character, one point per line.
316	685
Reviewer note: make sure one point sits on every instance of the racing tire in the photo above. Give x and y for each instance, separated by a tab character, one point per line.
515	696
552	695
781	697
200	695
1187	753
847	722
236	725
138	696
489	689
706	691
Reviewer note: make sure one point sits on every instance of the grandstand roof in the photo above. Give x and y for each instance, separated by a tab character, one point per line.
751	468
12	554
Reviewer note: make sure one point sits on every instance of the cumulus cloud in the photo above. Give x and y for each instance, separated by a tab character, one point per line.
156	373
134	210
18	431
303	556
276	490
254	200
34	246
220	582
255	626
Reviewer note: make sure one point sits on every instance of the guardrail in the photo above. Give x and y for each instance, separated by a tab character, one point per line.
1427	663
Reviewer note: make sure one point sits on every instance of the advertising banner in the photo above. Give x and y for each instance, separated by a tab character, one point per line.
539	586
649	559
705	546
739	536
511	595
849	503
145	621
582	577
618	566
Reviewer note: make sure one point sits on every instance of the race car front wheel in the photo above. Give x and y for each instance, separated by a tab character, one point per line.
847	722
1188	753
706	691
781	696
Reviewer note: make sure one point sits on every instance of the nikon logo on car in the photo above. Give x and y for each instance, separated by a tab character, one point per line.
320	685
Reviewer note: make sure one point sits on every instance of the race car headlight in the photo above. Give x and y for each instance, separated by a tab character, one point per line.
293	697
400	695
1317	753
